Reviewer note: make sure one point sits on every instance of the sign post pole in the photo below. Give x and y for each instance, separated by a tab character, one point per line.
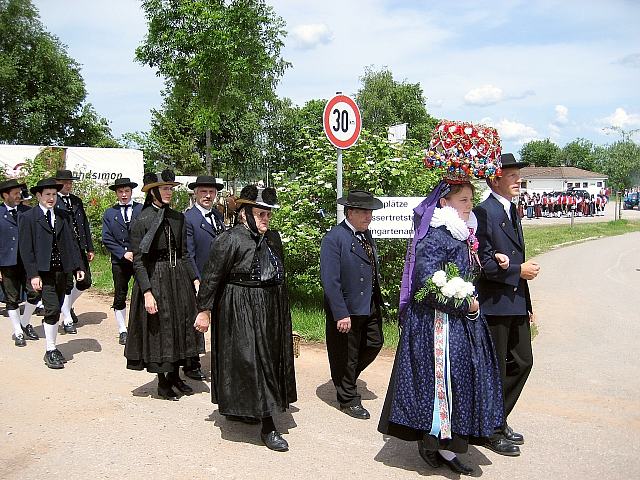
339	208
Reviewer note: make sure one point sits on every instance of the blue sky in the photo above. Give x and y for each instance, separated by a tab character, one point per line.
536	69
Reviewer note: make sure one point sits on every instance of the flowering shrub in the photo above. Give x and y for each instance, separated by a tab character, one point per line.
308	205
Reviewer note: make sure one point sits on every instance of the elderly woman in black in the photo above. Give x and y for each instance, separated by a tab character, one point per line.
244	296
163	302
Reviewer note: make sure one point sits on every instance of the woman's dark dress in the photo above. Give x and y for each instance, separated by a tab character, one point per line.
162	341
251	348
476	408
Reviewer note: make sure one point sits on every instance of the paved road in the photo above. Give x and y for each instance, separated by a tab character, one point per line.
579	411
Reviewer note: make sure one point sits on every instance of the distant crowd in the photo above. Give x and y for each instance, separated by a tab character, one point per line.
561	204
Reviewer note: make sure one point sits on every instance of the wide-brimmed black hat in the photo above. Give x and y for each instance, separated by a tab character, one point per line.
122	182
509	161
207	181
12	183
360	199
65	175
151	180
260	197
45	183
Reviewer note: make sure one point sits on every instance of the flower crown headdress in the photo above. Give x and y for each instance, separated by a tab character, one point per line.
463	150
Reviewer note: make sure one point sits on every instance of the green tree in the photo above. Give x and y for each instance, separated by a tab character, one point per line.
577	153
540	153
225	54
42	93
621	162
384	101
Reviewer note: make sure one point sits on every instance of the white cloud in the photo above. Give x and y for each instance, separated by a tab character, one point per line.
308	37
490	95
512	131
620	118
484	95
632	60
562	115
554	131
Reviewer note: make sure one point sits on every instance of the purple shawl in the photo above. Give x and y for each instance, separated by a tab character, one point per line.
421	218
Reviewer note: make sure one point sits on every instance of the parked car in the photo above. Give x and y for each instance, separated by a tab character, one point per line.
579	192
631	200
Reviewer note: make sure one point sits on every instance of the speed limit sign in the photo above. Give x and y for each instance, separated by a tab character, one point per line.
342	121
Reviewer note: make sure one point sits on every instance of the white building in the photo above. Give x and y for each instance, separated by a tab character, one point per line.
560	179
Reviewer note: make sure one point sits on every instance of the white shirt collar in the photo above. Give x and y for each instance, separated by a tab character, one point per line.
202	210
506	204
353	229
120	205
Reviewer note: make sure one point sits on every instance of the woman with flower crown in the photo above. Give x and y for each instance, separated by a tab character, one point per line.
445	389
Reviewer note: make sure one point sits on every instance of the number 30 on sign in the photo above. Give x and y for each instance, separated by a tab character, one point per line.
342	121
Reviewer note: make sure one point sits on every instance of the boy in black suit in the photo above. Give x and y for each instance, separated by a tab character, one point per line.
49	252
504	293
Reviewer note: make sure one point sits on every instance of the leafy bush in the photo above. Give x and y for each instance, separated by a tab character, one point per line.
308	205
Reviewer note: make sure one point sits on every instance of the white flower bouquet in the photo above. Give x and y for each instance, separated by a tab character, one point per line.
447	284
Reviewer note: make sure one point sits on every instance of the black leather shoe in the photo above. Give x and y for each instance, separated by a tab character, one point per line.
74	317
122	338
38	311
243	419
177	382
274	441
166	393
502	446
52	360
58	353
194	374
30	333
429	456
456	465
69	328
514	437
356	411
20	341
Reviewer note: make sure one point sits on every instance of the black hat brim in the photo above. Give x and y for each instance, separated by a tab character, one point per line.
193	185
11	187
130	184
37	189
372	204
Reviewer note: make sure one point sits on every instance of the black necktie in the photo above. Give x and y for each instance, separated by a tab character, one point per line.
14	214
126	216
209	217
514	221
49	218
67	201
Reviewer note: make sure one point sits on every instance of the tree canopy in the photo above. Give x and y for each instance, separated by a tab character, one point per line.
384	101
222	56
42	92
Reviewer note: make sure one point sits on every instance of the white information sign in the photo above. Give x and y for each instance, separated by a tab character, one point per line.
395	219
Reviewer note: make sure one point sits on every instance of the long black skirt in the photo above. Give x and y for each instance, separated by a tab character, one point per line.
252	352
163	341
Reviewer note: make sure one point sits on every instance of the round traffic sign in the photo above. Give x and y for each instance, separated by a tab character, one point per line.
342	121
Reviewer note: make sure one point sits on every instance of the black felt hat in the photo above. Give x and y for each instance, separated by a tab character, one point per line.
509	161
10	184
45	183
207	181
122	182
260	197
360	199
151	180
65	175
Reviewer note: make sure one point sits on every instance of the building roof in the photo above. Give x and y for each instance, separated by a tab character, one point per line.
559	172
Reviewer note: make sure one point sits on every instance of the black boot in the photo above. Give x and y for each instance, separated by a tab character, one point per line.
164	388
174	379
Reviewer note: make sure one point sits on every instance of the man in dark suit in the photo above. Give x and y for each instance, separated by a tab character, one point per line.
203	224
73	204
350	278
12	274
49	252
504	293
116	225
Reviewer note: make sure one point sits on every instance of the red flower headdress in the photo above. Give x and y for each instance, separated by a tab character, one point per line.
464	150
